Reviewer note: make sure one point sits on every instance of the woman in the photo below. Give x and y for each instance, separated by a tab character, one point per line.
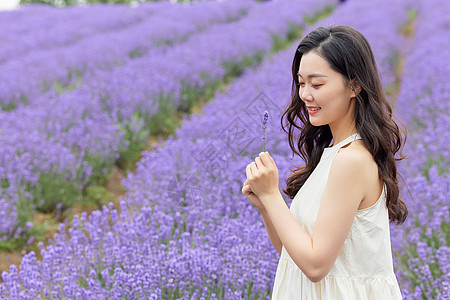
334	240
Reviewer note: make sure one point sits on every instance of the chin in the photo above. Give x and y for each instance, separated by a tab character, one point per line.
316	123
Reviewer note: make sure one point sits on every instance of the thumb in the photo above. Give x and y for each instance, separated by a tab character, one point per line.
246	189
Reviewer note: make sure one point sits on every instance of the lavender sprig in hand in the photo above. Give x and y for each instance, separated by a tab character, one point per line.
265	118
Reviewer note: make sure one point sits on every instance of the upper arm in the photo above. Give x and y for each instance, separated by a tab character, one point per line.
343	194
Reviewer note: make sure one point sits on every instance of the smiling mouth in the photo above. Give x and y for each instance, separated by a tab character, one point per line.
313	109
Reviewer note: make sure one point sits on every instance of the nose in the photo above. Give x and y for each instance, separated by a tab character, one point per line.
305	94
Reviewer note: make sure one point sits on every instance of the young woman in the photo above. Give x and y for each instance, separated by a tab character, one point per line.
334	240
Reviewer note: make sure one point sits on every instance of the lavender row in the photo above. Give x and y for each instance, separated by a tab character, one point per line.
98	131
42	69
184	230
60	147
43	27
68	136
204	58
423	242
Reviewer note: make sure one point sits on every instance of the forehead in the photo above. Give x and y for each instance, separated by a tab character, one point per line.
312	63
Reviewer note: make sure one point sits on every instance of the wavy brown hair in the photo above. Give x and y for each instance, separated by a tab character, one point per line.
348	52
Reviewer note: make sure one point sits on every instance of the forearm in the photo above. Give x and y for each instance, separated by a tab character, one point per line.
295	240
271	232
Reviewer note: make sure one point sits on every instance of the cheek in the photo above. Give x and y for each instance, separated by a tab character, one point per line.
332	98
325	97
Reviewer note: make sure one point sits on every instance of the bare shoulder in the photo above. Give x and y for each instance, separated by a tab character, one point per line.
357	153
354	159
351	177
354	166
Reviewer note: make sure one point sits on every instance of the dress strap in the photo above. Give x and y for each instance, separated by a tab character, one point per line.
351	138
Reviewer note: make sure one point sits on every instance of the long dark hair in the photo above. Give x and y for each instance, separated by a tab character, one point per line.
348	52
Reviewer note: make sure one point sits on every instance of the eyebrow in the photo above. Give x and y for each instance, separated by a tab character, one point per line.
313	75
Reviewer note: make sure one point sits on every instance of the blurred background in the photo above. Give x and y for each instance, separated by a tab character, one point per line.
9	4
126	127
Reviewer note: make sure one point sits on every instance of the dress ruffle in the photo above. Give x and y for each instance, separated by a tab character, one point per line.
331	287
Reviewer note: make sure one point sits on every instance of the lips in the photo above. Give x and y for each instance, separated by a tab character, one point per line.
313	109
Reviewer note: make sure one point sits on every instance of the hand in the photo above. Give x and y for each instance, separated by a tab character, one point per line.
247	191
262	176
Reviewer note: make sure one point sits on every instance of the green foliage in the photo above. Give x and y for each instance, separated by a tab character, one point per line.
311	20
162	123
164	42
278	43
408	29
101	167
24	208
98	196
37	231
25	212
12	244
136	53
12	105
130	156
4	183
136	135
9	107
53	189
74	79
242	12
435	160
296	32
191	94
235	68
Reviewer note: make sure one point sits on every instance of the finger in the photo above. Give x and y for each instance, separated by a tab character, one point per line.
246	182
259	163
248	170
253	168
246	190
270	158
260	155
265	158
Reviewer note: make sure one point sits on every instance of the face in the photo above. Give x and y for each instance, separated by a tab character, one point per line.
324	91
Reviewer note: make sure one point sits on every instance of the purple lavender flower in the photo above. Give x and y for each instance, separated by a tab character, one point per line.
265	118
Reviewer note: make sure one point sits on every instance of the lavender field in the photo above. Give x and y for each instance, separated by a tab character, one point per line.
84	98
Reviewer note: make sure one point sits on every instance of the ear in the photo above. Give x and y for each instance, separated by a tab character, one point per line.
356	88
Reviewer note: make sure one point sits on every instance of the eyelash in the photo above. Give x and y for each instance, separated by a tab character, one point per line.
313	85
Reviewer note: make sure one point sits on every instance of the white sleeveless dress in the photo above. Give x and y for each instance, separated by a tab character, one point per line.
363	269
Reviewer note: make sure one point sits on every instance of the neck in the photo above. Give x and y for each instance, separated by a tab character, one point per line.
344	126
342	130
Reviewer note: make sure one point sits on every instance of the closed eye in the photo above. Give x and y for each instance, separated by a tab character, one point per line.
314	86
